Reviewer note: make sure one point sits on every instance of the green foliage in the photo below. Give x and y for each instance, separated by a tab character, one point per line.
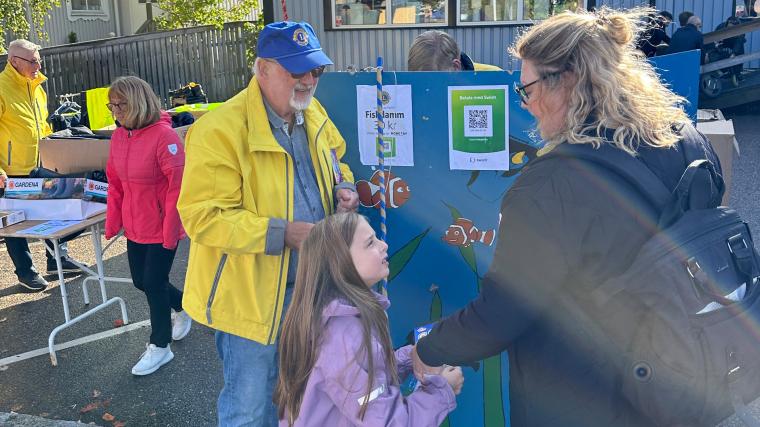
14	20
251	32
193	13
73	37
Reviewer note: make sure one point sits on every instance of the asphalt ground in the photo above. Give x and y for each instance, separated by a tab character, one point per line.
93	383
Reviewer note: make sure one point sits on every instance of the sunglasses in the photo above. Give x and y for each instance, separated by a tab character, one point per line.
33	62
316	73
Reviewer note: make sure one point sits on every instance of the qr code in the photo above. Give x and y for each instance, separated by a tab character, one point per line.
478	121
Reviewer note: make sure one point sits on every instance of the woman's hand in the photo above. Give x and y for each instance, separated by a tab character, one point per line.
421	369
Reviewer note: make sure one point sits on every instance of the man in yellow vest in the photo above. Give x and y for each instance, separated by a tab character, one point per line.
260	170
23	114
435	50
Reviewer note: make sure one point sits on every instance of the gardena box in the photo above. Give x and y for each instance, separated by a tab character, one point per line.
57	209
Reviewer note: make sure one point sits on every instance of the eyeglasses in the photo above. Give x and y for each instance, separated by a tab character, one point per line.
316	73
33	62
522	93
116	106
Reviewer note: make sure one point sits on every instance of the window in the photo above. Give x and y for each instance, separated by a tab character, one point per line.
352	14
499	11
87	9
86	5
384	13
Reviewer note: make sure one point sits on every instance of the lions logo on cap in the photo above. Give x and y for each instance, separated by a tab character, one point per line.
385	97
301	37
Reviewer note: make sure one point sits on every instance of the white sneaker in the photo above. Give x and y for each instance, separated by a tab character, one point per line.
181	324
153	358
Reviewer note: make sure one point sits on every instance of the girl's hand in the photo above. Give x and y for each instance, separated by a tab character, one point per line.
454	376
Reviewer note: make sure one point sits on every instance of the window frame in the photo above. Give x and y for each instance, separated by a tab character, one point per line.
585	4
329	6
452	18
78	14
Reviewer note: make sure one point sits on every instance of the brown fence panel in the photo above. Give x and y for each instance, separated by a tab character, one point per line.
166	59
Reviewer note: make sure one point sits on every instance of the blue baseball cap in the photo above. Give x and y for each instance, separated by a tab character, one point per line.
293	44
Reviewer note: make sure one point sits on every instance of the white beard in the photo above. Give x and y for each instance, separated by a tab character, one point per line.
301	105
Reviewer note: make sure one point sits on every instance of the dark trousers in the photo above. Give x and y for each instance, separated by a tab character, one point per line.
18	249
150	265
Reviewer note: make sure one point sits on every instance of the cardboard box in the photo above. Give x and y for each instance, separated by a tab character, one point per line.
721	135
74	155
8	218
182	132
58	209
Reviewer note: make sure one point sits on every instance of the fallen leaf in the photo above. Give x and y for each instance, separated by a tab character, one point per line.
45	414
96	393
118	323
119	424
89	407
108	417
106	402
152	414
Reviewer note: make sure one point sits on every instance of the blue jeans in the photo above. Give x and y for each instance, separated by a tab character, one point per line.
250	375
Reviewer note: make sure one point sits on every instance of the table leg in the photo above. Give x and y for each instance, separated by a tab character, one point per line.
95	233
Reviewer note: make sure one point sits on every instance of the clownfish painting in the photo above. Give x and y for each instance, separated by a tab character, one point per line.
396	191
464	233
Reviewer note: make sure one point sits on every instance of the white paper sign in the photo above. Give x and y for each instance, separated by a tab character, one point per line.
398	135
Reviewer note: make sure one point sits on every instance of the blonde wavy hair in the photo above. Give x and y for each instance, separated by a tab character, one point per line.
613	86
143	106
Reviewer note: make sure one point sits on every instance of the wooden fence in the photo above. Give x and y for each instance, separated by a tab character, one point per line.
167	60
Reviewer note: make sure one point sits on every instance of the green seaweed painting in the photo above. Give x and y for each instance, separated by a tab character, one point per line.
399	259
493	406
436	312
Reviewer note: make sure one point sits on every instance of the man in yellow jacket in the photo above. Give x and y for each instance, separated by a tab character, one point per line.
435	50
23	115
260	170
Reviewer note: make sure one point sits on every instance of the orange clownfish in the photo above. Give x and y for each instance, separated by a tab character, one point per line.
396	191
463	233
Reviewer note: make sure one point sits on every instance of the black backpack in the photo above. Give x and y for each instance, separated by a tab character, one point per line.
684	349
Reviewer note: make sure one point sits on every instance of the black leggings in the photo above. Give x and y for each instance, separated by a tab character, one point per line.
150	265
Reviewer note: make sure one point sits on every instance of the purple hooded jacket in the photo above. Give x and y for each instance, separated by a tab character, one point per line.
338	382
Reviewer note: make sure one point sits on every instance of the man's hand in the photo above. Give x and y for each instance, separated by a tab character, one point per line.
421	369
348	200
296	232
3	179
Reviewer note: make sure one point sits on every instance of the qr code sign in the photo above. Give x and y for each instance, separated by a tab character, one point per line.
478	121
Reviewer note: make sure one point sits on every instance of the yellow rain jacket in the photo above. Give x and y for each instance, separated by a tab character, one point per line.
236	178
23	115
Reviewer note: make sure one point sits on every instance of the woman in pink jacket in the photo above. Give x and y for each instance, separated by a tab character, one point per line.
337	365
144	171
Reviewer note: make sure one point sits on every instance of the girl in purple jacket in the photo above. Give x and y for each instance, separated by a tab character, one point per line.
337	365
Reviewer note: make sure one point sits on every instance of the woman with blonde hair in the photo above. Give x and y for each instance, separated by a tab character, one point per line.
144	170
569	224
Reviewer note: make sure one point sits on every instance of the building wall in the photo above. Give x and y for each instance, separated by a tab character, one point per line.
58	26
360	48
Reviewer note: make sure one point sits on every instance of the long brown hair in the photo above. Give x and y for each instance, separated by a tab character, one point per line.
325	272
